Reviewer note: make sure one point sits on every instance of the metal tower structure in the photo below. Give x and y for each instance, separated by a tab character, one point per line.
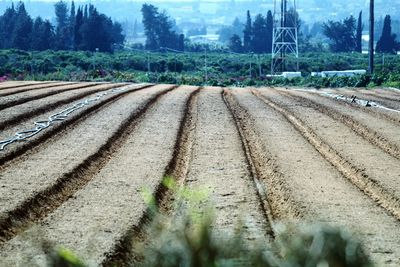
284	37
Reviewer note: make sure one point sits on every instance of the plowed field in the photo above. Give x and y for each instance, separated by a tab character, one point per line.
264	155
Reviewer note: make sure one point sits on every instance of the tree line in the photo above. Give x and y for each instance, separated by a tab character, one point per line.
346	36
81	29
257	35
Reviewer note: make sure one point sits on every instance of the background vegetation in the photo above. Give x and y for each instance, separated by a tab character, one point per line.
198	68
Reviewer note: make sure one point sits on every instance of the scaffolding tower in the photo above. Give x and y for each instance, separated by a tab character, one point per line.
284	37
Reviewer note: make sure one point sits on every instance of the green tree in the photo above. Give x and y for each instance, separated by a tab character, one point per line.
117	36
7	26
43	36
259	41
22	33
94	32
159	29
341	34
247	33
387	43
235	44
225	33
71	20
181	43
63	36
149	13
77	29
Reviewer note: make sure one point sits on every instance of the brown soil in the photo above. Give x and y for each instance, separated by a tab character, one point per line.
126	172
17	114
220	170
261	156
379	113
34	94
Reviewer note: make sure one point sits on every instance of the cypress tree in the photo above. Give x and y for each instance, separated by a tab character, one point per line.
387	43
247	34
63	36
181	43
72	18
7	25
21	36
85	13
77	29
269	30
44	35
359	33
259	41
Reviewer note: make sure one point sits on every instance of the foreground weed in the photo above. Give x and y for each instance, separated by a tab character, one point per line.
187	238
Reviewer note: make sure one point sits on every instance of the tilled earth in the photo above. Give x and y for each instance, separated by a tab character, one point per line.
262	156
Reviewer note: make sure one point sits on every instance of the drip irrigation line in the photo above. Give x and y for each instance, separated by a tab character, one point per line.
58	117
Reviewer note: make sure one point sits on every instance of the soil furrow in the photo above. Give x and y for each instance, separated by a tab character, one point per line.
343	116
219	171
383	94
124	252
115	189
16	85
15	151
11	101
20	213
23	89
26	111
251	162
379	113
385	101
357	176
278	203
320	192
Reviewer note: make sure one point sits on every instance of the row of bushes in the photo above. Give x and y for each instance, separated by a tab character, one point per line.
188	68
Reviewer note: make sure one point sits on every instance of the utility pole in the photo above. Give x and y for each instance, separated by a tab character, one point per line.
250	71
148	62
371	36
205	64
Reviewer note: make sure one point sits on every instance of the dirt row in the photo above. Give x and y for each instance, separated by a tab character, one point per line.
14	116
11	92
382	133
34	94
19	148
383	94
258	157
379	112
320	189
220	170
52	180
16	85
360	161
115	189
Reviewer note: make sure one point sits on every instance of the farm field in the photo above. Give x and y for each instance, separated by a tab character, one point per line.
264	155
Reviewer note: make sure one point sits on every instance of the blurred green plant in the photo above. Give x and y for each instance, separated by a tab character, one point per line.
63	257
